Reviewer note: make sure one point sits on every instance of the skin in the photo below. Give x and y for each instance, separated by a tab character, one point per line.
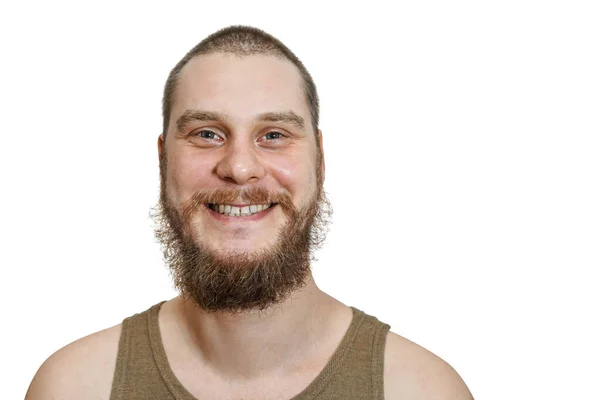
222	355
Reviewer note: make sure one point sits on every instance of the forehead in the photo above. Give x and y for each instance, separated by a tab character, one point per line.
242	87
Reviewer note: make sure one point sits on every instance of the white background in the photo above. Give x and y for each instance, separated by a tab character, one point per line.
462	149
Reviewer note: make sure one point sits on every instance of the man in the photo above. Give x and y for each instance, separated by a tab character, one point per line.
242	209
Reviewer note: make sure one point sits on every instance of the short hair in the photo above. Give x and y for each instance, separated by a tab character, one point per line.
242	41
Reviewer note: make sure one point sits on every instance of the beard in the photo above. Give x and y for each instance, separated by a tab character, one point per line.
238	281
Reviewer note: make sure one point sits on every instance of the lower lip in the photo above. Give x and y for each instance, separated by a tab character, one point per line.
245	218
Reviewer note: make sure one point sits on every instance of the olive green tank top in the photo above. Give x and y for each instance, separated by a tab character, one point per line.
354	371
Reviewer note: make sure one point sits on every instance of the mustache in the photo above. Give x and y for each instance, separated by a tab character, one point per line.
253	195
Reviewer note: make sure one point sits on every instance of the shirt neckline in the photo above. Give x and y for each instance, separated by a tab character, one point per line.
179	391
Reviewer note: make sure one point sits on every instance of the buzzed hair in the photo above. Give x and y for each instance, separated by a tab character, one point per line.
242	41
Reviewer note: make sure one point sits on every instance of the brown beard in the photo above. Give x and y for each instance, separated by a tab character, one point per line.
240	281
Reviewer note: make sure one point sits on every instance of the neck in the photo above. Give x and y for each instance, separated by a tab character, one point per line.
259	343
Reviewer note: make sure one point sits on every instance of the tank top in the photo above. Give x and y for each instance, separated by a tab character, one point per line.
354	371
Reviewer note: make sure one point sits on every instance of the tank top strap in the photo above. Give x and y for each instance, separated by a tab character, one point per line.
136	373
375	338
355	370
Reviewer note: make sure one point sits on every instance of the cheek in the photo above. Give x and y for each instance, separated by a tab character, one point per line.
294	174
186	174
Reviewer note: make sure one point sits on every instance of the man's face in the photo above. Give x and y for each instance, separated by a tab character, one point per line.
240	139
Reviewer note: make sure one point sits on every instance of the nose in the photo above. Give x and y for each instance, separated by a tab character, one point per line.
240	163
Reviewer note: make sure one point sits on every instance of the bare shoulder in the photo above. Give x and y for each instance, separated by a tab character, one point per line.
82	369
412	372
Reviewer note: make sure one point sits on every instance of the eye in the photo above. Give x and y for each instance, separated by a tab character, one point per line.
273	135
205	134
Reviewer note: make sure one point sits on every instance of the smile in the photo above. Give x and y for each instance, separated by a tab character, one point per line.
236	211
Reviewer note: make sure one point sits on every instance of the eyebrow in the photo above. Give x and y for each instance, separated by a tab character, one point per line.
288	117
197	115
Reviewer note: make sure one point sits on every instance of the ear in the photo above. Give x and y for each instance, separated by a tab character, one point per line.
161	145
320	144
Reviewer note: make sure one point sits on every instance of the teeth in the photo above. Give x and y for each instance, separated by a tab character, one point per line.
233	211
